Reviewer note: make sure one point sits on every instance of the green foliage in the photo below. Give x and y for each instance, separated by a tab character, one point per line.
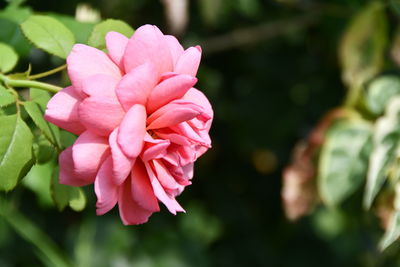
395	5
51	132
16	157
343	160
46	248
43	149
330	223
393	232
11	33
16	13
200	226
77	199
38	180
40	97
67	138
231	214
49	34
64	195
386	138
363	45
97	38
8	58
6	98
81	30
380	91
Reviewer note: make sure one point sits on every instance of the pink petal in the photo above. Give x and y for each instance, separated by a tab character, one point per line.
106	191
88	153
182	174
148	45
132	130
187	155
101	114
122	165
100	85
174	47
167	75
154	148
186	130
200	150
168	90
173	137
181	155
67	174
168	200
189	61
135	86
62	110
172	157
197	97
85	61
164	176
129	210
188	171
116	44
172	114
142	191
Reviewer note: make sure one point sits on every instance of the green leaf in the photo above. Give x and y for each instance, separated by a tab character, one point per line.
386	137
97	38
380	91
77	199
362	49
12	35
59	192
81	30
38	180
42	97
8	58
67	138
392	233
16	13
64	195
8	110
37	115
44	150
16	157
49	34
6	98
39	96
343	160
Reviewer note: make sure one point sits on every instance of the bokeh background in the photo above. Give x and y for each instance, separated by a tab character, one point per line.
270	69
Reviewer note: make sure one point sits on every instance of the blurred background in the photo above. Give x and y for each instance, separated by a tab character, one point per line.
270	69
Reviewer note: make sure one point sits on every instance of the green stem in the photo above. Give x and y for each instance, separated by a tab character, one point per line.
352	97
47	73
27	83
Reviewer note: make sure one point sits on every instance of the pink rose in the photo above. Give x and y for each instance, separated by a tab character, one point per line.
140	122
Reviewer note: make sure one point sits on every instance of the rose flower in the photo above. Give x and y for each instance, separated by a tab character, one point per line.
140	123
